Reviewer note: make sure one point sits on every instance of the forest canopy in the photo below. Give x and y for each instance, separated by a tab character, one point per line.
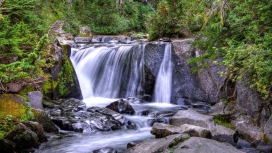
240	32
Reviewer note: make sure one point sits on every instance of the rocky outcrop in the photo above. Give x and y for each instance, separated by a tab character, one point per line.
185	86
158	145
202	145
162	130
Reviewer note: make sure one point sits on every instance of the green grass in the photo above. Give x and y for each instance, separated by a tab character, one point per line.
223	120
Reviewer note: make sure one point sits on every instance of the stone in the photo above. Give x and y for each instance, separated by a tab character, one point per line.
203	145
191	117
161	130
105	150
133	143
35	99
13	87
36	128
23	137
158	145
7	146
47	124
268	129
121	106
248	132
85	31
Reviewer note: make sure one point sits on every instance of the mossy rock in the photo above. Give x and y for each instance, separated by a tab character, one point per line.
45	121
26	89
12	104
23	137
36	128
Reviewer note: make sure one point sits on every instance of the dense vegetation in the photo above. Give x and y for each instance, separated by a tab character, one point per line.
240	32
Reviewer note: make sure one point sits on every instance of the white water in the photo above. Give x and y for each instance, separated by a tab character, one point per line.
162	91
103	71
109	71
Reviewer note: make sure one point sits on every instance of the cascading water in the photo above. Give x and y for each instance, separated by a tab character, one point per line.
162	91
110	71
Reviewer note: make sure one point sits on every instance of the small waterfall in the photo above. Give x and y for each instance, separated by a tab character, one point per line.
109	71
162	91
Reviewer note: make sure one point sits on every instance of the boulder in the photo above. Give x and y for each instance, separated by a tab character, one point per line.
121	106
161	130
36	128
105	150
45	121
193	118
35	99
202	145
23	137
13	87
158	145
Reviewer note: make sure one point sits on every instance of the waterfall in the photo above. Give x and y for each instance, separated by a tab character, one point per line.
162	91
109	71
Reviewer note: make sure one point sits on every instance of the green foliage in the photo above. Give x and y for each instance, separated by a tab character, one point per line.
28	113
223	120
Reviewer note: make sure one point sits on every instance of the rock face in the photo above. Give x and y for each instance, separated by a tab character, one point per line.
158	145
35	99
185	87
162	130
202	145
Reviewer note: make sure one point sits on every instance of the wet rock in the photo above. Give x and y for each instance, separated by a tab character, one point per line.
162	130
105	150
121	106
202	145
184	84
146	98
151	122
165	39
35	99
23	137
7	146
158	145
133	143
144	113
72	105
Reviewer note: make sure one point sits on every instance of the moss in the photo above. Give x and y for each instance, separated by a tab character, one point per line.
224	120
66	75
49	86
27	89
266	139
45	121
2	134
12	105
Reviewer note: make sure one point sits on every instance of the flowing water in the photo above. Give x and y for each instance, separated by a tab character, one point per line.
106	73
162	92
